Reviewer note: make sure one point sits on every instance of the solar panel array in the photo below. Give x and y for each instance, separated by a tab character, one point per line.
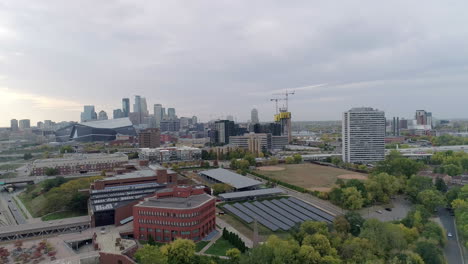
279	214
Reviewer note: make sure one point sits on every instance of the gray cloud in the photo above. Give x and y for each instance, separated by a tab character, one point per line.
209	58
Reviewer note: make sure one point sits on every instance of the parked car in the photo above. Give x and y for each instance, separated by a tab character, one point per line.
449	234
388	209
379	211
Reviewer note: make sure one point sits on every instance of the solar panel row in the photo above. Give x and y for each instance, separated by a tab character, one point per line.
304	211
291	211
278	214
282	212
260	219
312	208
238	213
273	220
274	214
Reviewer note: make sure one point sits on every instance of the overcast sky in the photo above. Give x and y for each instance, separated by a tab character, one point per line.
217	58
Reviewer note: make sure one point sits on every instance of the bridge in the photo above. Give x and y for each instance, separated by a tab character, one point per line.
29	180
55	227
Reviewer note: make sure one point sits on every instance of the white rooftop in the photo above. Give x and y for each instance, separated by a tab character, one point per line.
235	180
110	123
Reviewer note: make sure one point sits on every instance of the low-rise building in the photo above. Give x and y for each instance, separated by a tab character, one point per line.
170	154
79	163
259	142
179	212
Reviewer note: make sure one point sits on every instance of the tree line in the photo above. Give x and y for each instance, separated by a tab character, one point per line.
235	240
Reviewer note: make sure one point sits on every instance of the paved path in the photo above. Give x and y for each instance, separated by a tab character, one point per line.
223	224
453	250
220	233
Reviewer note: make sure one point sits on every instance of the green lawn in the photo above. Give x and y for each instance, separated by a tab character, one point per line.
200	245
219	248
61	215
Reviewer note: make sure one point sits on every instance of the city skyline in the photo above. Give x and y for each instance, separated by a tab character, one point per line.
55	58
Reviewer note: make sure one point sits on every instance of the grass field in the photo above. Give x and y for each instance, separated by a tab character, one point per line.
307	175
34	205
220	247
200	245
61	215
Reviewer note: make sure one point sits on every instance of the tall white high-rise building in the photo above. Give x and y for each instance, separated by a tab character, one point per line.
363	135
254	116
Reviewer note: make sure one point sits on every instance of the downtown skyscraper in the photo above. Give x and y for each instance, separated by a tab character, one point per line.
125	107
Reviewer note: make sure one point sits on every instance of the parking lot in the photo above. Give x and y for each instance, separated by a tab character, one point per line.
399	209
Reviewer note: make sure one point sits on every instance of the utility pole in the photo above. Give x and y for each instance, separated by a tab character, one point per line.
255	234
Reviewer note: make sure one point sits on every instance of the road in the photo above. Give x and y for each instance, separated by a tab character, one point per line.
453	248
13	208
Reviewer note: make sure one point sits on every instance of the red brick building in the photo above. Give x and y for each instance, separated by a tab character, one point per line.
179	212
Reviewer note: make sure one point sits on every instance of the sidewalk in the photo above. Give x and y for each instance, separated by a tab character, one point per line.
218	236
222	224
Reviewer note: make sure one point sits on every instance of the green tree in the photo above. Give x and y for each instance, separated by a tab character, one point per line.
289	160
406	257
434	231
431	199
417	184
308	255
440	185
384	236
356	222
352	198
341	225
452	169
180	251
150	254
452	194
396	164
234	254
320	243
381	187
251	159
357	250
297	158
27	156
221	188
429	251
78	202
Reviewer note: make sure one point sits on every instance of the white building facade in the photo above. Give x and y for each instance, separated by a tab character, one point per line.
363	135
